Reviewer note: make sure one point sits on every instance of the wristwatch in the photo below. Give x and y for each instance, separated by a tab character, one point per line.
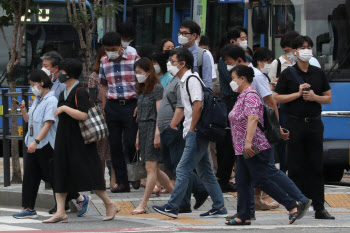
37	141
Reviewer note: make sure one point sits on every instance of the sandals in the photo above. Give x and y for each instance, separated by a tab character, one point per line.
293	217
233	222
272	205
143	211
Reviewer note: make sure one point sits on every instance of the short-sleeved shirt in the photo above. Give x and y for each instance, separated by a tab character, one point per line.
146	107
57	88
166	109
119	76
261	84
130	50
42	110
196	92
165	79
274	66
287	84
247	104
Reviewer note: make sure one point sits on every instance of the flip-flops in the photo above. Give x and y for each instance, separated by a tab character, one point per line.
233	222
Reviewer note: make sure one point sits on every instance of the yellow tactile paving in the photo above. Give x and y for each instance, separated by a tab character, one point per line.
338	200
232	194
127	207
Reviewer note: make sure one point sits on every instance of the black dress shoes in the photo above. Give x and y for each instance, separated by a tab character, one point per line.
121	188
323	214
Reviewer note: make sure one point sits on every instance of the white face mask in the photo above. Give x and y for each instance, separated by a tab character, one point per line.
234	86
157	69
47	71
290	56
141	78
173	70
243	44
305	54
182	39
229	67
266	68
113	55
126	43
36	91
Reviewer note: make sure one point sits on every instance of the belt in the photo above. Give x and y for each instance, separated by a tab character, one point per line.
306	119
123	101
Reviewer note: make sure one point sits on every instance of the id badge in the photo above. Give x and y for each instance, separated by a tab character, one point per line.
31	131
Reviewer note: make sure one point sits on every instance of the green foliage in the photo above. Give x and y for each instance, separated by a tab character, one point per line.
10	7
108	10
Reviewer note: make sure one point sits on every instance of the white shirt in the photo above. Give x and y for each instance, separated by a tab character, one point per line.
261	84
213	69
284	65
196	92
130	50
314	62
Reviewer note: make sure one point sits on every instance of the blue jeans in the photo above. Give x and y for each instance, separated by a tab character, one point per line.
256	172
195	156
281	179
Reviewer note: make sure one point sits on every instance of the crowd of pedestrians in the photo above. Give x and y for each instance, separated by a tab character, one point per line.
153	102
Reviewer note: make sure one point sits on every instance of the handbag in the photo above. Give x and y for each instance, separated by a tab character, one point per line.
94	128
136	169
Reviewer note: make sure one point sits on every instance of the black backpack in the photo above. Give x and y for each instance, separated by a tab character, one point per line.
213	120
271	127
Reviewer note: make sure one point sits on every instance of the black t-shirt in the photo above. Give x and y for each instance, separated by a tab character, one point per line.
287	84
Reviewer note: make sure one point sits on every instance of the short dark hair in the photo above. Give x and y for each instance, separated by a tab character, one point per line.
40	76
185	55
262	54
204	41
111	39
127	30
300	40
233	34
288	38
161	59
242	29
73	67
249	51
245	71
147	50
54	57
162	42
234	52
193	26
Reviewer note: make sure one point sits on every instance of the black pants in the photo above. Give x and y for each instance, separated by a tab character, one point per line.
38	166
305	158
225	157
225	154
122	128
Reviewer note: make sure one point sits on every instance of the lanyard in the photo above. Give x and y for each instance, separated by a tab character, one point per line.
35	109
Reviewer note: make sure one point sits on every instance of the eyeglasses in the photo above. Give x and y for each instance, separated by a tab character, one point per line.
183	33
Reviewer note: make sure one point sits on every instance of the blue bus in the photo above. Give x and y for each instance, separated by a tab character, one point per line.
328	25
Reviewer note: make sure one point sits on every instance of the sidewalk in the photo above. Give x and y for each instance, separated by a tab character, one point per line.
336	197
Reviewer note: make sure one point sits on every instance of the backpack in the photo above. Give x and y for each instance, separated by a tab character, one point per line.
279	68
213	120
271	127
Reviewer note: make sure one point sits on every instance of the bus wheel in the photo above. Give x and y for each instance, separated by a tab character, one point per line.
332	174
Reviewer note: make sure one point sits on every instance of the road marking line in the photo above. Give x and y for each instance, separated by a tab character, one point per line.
9	228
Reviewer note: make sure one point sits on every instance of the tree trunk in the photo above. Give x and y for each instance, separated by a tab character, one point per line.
16	165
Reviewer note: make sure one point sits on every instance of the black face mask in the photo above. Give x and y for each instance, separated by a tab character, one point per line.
62	78
167	53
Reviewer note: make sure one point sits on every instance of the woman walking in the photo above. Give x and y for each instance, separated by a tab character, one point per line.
149	95
253	149
76	164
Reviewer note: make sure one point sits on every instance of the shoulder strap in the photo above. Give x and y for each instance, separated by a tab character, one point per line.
76	98
262	128
279	67
296	75
188	91
200	55
171	104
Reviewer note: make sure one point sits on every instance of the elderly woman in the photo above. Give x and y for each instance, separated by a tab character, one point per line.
253	149
76	164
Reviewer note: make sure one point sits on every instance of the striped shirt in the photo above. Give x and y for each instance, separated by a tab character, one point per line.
119	76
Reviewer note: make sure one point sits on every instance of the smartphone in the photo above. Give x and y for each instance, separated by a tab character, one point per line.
285	130
17	102
273	83
255	149
306	89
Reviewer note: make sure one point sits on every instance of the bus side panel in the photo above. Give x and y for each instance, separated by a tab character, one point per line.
338	127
